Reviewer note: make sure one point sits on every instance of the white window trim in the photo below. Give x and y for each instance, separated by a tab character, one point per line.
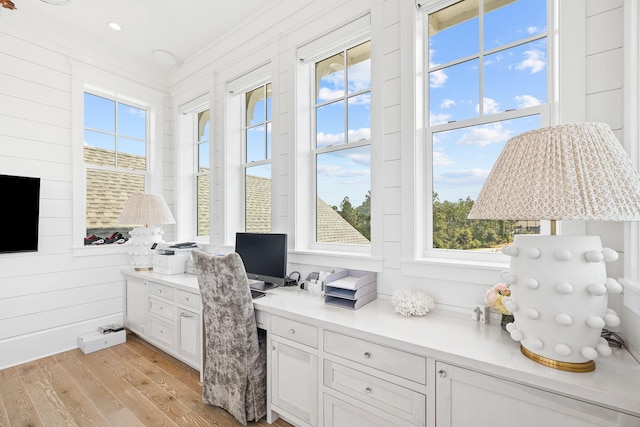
86	78
631	279
234	173
475	268
348	35
187	160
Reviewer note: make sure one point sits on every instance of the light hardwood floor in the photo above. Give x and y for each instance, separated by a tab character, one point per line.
131	384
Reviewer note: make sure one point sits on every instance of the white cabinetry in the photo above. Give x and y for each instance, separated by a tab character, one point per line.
294	371
465	398
166	313
135	313
384	383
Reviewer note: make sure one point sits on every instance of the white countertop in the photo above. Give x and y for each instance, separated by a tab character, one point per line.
452	338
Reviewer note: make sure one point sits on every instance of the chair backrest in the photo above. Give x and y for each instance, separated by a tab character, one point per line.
234	372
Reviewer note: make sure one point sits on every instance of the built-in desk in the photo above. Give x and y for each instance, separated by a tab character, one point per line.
330	366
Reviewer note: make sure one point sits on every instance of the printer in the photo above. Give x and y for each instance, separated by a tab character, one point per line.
172	257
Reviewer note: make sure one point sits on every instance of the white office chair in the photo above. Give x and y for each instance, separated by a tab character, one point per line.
235	367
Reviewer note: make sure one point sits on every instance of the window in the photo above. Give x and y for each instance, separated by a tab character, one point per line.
257	159
487	80
342	152
115	161
202	125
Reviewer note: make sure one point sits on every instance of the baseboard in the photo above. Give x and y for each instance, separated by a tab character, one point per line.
26	348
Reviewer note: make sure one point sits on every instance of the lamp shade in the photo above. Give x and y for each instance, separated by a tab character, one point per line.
567	172
145	209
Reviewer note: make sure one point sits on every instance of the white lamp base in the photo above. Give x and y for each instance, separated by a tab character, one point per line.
142	239
559	299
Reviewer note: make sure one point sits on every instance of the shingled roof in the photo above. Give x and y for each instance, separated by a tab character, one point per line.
107	192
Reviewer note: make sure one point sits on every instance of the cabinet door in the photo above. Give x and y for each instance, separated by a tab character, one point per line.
136	307
189	336
294	381
467	398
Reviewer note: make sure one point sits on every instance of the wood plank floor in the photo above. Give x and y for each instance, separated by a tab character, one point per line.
128	385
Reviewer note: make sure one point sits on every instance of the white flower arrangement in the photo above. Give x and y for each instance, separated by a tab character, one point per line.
412	302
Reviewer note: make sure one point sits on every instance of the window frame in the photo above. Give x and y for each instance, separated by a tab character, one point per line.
89	79
424	170
341	39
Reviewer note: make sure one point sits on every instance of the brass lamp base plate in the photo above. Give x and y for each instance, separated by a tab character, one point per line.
556	364
144	268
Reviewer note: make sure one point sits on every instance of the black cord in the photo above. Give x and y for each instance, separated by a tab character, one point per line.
297	279
613	338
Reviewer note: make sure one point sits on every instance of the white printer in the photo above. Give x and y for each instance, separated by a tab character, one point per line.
171	257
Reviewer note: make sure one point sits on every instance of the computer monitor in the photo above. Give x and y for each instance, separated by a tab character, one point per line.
265	258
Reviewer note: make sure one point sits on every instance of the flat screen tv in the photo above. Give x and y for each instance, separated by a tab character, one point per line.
265	258
20	213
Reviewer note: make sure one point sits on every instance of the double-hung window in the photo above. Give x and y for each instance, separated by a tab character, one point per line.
487	79
257	159
342	146
202	130
116	146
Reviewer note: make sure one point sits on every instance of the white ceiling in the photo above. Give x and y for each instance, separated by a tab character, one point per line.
182	27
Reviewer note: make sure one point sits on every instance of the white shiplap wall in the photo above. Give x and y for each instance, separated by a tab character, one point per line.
48	297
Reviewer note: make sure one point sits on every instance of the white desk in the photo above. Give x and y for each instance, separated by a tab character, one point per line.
332	366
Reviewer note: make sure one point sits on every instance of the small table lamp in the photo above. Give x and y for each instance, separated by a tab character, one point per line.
558	283
147	209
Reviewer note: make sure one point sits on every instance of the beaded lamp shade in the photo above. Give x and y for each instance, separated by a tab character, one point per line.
146	209
559	287
566	172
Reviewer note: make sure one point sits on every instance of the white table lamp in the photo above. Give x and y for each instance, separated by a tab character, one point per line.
558	284
149	210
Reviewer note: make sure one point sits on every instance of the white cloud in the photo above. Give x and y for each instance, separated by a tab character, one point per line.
326	139
441	159
533	30
360	76
438	78
534	62
359	134
136	112
524	101
489	106
362	99
437	119
326	94
482	136
447	103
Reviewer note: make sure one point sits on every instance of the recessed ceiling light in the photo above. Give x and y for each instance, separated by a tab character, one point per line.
114	26
58	2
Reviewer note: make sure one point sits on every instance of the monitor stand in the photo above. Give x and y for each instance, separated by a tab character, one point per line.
261	286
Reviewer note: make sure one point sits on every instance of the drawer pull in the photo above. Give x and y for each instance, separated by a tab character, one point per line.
292	331
442	373
368	390
367	355
188	316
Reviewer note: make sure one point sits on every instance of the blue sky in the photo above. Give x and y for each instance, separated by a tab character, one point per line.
514	78
100	114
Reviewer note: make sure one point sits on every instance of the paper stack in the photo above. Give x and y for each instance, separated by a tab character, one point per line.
350	288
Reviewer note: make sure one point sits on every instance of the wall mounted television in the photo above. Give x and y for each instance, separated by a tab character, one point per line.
20	213
265	258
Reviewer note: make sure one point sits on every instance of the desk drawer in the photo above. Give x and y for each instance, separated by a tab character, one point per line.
295	331
188	299
396	362
162	309
394	399
156	289
162	332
